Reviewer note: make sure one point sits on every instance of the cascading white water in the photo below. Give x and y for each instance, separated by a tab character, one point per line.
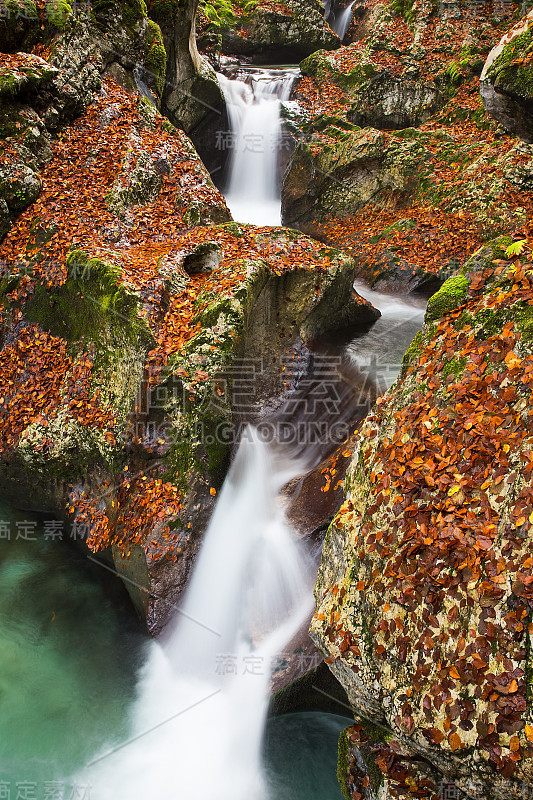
341	21
253	101
198	722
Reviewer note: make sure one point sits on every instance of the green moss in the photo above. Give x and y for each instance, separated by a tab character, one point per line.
96	314
343	765
27	76
13	121
376	734
507	74
163	11
318	65
486	254
401	225
454	366
327	122
155	55
90	307
19	25
20	9
525	326
192	215
419	342
413	351
58	12
132	12
410	133
201	444
404	8
491	322
482	120
8	84
450	295
464	320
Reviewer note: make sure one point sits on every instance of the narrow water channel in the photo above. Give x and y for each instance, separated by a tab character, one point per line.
85	700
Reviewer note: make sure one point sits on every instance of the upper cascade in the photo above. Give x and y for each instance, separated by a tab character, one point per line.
255	141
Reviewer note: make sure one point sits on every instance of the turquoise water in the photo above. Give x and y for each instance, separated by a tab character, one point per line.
301	756
69	652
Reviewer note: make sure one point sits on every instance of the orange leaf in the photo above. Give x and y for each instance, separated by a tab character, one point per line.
454	740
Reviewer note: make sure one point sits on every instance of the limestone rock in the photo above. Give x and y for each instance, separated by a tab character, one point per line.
377	97
425	572
355	169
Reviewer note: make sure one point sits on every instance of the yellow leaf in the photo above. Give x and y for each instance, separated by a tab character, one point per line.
511	360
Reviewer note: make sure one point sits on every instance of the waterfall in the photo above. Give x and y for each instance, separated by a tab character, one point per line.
198	723
341	22
253	100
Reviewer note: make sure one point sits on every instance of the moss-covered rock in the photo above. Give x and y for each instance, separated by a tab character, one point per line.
376	97
19	24
58	12
99	320
450	295
340	178
19	186
507	80
156	56
23	73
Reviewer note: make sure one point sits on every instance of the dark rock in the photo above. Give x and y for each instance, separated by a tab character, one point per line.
271	36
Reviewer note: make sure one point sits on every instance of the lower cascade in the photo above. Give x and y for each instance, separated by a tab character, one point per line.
253	98
197	725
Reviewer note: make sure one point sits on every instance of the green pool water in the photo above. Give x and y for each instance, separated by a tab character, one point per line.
69	652
301	756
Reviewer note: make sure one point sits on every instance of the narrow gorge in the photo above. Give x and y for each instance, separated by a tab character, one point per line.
266	438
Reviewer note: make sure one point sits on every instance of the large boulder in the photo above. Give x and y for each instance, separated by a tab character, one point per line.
356	168
378	96
424	596
507	80
274	33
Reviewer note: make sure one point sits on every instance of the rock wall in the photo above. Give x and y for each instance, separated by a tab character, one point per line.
423	605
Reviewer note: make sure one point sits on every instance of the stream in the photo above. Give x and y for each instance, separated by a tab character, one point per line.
87	704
